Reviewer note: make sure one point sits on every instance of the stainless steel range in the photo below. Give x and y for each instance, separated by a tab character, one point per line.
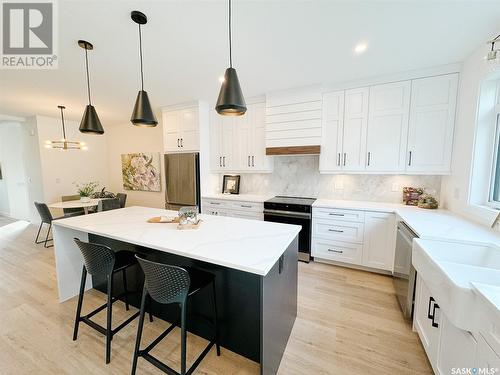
293	210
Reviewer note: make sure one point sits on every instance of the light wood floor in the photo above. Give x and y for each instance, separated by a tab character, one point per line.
348	323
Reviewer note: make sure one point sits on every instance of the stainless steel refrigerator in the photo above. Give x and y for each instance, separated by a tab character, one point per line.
182	180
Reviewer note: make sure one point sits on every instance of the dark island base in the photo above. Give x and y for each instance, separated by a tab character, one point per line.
256	313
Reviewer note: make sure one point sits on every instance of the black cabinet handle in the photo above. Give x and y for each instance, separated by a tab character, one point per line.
338	159
409	160
281	264
223	161
253	165
336	230
332	214
249	160
181	143
436	306
369	155
345	156
178	144
245	206
220	161
335	251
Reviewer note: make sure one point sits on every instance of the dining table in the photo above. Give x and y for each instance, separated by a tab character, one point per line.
76	204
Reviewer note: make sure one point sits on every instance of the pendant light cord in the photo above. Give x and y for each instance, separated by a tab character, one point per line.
230	37
140	54
62	120
88	78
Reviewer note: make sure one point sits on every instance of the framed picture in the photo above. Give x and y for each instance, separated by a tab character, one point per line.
141	171
231	184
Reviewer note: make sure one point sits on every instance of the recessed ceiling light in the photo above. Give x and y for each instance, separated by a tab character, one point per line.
360	48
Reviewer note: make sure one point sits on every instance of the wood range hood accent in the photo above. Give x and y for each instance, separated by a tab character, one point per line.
294	150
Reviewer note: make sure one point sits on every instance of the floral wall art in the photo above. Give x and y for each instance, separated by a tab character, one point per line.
141	171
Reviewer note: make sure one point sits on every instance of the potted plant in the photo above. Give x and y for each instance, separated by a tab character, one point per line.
86	190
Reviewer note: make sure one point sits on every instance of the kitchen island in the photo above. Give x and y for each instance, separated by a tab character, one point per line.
255	264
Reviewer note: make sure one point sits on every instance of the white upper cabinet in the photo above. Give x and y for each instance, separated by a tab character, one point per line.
432	119
355	127
333	127
388	127
181	129
345	118
237	144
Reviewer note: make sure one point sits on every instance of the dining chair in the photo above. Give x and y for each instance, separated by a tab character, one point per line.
110	204
122	198
47	218
77	210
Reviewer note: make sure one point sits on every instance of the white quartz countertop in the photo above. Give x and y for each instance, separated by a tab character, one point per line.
430	224
239	197
248	245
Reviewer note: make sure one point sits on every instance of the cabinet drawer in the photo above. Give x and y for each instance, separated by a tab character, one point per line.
247	215
338	230
338	214
247	206
337	250
214	204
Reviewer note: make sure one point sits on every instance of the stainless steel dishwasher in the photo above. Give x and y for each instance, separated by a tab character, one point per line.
405	275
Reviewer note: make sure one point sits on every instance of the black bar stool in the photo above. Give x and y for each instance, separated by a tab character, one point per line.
170	284
101	260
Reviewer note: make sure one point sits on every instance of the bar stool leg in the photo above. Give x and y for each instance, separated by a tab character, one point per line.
80	302
183	337
125	290
216	318
109	334
139	330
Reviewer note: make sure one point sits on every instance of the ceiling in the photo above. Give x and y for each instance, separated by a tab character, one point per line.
277	44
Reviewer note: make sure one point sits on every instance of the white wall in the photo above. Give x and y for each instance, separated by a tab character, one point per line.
127	138
61	169
14	174
456	187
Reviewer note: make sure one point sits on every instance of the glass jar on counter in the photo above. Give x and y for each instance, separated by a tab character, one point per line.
188	215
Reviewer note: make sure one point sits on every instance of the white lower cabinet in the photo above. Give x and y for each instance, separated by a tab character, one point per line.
449	349
486	357
232	208
355	237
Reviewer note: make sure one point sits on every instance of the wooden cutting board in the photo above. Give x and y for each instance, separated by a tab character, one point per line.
157	219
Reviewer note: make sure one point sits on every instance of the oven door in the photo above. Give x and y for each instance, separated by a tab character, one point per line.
296	218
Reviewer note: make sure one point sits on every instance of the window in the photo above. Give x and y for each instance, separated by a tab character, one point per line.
495	172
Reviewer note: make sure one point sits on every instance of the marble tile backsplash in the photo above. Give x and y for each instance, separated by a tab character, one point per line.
299	176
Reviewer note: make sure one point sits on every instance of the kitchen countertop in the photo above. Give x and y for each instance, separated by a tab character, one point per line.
430	224
239	197
248	245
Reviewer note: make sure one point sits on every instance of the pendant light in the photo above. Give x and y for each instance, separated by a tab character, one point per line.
230	101
64	144
142	114
90	121
493	53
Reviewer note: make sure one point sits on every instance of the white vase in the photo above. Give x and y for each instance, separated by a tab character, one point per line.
85	199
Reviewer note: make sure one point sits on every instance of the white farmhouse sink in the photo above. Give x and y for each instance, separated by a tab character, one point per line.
448	268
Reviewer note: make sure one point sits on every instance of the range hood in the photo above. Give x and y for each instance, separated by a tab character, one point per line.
293	122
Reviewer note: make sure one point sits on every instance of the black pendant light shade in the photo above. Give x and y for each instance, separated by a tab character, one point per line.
143	114
231	101
90	123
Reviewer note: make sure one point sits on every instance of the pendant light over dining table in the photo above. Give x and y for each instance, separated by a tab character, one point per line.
63	143
230	101
90	121
142	114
